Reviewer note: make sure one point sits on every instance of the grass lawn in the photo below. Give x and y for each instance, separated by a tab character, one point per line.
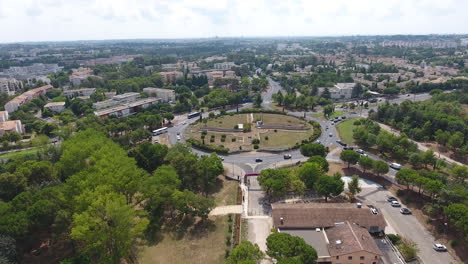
283	138
279	120
228	193
225	121
345	130
13	155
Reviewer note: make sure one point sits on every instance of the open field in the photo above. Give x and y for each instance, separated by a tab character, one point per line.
345	129
17	154
269	138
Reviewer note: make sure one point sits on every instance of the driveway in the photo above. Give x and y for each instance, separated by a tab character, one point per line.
406	226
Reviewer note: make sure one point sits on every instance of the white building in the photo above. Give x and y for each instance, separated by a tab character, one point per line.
224	65
10	85
79	92
57	107
3	116
165	95
339	91
11	126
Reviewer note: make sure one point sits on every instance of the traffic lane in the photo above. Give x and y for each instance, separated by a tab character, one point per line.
389	255
406	225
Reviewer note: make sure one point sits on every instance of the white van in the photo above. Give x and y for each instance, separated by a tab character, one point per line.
395	166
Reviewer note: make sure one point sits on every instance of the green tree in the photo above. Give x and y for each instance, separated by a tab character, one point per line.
460	173
366	163
328	110
274	182
329	186
109	228
284	247
313	149
309	173
349	156
320	161
258	100
406	177
245	251
11	184
353	186
456	140
380	167
149	156
208	170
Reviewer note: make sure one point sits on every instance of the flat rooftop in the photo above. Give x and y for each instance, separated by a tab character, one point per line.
316	239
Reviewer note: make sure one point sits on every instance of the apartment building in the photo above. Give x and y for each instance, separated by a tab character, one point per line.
224	65
339	91
26	72
3	116
10	85
26	97
57	107
165	95
12	126
79	92
170	77
79	75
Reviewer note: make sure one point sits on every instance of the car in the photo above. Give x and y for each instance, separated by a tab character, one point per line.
178	133
374	211
341	143
222	158
184	123
331	120
287	156
391	199
395	204
348	148
364	155
332	123
395	166
439	247
343	117
326	128
360	151
317	141
405	211
408	95
330	135
258	160
178	138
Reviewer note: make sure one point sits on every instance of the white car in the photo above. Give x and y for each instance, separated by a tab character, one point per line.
360	151
439	247
364	155
395	166
178	138
395	204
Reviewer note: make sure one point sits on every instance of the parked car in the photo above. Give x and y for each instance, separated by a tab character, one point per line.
178	133
360	151
330	135
391	199
374	211
348	148
395	204
317	141
178	138
364	155
341	143
439	247
395	166
258	160
287	156
405	211
343	117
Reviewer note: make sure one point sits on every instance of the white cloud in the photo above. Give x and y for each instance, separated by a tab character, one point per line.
42	20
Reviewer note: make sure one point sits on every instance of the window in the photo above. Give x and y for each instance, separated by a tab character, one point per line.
337	257
361	258
350	257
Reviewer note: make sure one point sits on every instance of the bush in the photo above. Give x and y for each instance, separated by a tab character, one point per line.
212	140
247	128
198	144
453	243
400	193
236	127
228	241
266	137
227	253
233	139
255	141
275	130
255	146
395	239
429	220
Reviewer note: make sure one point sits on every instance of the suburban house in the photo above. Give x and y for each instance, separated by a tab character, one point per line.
26	97
339	232
339	91
57	107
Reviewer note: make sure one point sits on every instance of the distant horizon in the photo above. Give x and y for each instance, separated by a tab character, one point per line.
87	20
235	37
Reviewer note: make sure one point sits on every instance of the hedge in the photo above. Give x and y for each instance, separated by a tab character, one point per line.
198	144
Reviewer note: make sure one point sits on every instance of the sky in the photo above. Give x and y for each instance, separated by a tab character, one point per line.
57	20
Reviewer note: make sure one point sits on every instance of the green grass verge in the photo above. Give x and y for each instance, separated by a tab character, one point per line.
13	155
345	130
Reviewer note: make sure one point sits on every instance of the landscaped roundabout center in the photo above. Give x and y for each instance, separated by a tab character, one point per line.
249	131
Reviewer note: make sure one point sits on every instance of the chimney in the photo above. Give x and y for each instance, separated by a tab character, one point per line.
282	220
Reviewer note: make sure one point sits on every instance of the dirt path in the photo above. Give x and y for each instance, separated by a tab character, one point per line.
421	147
227	209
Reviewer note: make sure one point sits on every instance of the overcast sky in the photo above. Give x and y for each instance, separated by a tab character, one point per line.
51	20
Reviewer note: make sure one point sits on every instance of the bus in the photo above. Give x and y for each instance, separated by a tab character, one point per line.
159	131
194	114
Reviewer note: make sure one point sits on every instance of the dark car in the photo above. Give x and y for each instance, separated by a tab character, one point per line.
286	156
258	160
343	117
341	143
405	211
348	148
391	199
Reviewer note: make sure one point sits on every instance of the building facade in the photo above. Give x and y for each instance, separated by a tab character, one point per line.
26	97
166	95
10	85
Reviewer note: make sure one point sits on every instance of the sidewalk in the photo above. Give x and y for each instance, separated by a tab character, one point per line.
421	147
233	171
227	209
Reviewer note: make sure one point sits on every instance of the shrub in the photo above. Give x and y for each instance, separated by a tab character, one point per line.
228	241
223	136
400	193
198	144
233	139
255	146
453	243
255	141
266	137
429	220
223	139
236	127
247	127
227	253
212	140
395	239
275	130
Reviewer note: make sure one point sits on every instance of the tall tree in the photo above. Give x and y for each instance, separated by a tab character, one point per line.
291	249
349	156
353	186
245	251
328	186
366	163
380	167
309	173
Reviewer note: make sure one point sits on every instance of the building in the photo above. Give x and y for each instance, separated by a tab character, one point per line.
339	91
57	107
224	65
26	97
11	126
323	215
3	116
165	95
126	109
79	92
32	71
79	75
171	77
338	232
10	85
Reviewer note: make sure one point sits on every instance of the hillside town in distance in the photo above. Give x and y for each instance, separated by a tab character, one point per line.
329	150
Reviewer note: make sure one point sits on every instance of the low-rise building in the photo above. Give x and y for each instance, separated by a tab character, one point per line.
171	77
224	65
166	95
79	75
339	91
3	116
11	126
79	92
57	107
26	97
126	109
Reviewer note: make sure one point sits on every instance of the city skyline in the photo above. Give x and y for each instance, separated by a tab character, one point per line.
58	20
